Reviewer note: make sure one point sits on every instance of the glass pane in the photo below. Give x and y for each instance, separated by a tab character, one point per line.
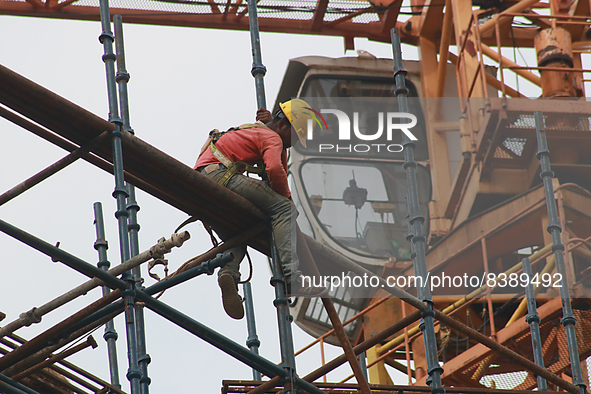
362	206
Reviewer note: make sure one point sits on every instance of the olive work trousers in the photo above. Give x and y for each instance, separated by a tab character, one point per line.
280	210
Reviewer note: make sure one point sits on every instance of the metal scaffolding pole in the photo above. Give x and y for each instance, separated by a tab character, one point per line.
9	386
110	335
132	206
284	320
554	228
258	71
533	319
416	220
106	38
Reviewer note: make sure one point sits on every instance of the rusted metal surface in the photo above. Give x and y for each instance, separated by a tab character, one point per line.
346	345
553	45
186	189
41	340
242	386
554	49
66	364
230	18
90	342
43	354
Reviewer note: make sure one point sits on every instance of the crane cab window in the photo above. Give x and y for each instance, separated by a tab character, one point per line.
362	206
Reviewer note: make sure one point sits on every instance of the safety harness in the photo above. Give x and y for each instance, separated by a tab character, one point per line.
232	167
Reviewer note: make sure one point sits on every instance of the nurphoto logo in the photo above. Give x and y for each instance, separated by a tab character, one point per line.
344	131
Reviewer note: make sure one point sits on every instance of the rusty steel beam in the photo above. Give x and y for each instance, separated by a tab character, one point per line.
186	189
50	383
318	18
70	366
390	16
345	27
84	330
431	19
346	345
90	342
10	360
72	377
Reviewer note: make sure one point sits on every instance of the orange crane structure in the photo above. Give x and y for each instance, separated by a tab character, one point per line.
485	190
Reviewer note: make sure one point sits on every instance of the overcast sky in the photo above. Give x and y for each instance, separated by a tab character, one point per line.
184	82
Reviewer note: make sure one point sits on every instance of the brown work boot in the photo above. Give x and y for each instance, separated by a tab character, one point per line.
295	288
230	298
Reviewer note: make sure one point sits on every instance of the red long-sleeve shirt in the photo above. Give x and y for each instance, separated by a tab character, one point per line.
253	145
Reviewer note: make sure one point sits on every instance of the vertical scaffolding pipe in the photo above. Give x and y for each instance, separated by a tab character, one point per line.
416	220
258	71
568	318
132	206
284	319
120	194
252	341
143	356
110	336
533	319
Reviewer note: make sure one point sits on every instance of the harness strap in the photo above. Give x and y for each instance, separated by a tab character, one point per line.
238	167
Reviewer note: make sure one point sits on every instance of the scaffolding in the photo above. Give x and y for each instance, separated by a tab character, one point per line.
102	142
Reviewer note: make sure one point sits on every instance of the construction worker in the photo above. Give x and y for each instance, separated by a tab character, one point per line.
226	155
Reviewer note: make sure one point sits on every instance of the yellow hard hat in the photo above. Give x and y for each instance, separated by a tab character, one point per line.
297	111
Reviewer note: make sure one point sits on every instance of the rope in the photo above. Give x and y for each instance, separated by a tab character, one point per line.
250	270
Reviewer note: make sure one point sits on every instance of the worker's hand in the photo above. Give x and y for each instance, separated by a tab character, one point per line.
264	115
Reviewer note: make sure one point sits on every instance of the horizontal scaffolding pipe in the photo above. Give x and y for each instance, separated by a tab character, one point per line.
35	314
207	267
9	386
46	378
234	241
447	320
